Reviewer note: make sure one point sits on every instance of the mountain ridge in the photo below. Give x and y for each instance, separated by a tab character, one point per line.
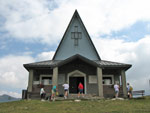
8	98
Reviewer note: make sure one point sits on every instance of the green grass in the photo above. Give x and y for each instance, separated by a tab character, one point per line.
96	106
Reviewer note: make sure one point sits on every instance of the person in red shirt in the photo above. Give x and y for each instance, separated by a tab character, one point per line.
80	88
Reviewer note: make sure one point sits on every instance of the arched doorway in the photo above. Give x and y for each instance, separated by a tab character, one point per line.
74	78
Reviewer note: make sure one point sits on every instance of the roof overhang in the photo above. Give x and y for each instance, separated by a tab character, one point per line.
50	64
77	56
113	65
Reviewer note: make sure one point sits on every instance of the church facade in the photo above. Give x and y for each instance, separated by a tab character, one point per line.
77	60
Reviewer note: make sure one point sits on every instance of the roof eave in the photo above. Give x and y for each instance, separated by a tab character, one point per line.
28	67
124	67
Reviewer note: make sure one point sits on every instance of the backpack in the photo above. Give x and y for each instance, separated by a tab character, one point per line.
131	88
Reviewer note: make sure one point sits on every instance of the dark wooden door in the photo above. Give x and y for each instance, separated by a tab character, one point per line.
73	84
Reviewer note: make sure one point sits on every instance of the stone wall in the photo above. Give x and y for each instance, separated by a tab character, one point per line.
91	88
109	91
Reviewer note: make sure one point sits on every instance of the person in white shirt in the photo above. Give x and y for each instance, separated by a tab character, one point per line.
129	90
116	87
42	93
66	88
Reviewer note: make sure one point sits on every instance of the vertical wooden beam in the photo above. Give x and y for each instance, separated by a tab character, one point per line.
55	76
30	81
100	83
123	79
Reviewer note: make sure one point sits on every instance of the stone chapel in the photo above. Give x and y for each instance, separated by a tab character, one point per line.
77	60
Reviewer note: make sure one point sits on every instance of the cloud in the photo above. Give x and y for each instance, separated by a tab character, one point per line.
135	53
30	20
46	20
45	56
12	74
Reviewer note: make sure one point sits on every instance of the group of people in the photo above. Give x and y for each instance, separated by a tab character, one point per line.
66	89
54	91
129	90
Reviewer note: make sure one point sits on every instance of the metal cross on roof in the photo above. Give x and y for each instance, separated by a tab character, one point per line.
76	35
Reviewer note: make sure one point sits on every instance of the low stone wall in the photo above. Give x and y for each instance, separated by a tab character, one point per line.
109	92
36	88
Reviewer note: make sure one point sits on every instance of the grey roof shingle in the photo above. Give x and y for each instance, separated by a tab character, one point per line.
53	63
109	63
47	63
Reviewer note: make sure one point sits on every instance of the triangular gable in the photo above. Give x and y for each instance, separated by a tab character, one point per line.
77	56
76	40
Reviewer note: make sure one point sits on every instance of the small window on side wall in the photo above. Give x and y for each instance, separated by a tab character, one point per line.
108	80
47	80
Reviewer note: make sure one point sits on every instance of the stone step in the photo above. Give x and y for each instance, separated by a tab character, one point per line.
36	95
76	95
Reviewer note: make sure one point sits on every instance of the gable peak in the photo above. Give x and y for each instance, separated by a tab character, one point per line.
76	14
76	40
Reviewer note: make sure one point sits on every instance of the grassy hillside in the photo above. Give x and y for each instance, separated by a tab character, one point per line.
97	106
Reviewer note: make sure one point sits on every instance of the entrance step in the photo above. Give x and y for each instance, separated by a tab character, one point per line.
85	96
70	97
75	97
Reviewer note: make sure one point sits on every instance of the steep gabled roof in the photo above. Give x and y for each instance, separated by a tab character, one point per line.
76	15
97	63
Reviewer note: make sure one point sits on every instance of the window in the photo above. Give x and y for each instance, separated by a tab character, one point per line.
108	79
46	80
92	79
76	35
75	28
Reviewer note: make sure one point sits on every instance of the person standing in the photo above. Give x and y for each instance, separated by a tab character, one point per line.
129	90
116	87
80	88
42	93
53	93
66	88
